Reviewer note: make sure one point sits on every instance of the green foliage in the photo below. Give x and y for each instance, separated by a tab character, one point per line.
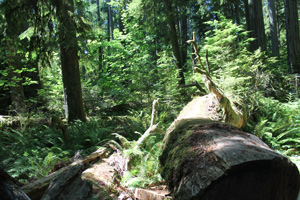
31	153
278	125
144	166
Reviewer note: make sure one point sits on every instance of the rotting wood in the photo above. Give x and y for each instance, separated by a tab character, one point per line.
36	189
69	185
217	161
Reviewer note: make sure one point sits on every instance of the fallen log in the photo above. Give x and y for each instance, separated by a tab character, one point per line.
218	161
9	189
37	189
69	185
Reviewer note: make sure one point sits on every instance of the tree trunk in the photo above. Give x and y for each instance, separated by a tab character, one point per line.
292	34
247	14
174	42
69	61
110	29
217	161
100	49
236	12
256	25
98	11
273	28
184	36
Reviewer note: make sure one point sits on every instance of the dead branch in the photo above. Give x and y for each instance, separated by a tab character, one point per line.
233	115
151	130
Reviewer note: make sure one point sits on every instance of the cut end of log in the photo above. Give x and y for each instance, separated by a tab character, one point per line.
218	161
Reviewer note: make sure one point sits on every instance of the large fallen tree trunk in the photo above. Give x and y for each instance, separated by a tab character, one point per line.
206	160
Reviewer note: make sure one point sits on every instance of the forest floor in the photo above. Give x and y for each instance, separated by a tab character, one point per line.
103	173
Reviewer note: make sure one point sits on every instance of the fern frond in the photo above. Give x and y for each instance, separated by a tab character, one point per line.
124	142
286	133
114	144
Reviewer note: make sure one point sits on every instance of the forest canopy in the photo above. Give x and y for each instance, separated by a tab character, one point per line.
72	72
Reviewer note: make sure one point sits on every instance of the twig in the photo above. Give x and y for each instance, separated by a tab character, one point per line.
150	131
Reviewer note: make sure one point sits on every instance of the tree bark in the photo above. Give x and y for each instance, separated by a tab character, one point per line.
216	161
184	36
69	185
256	25
174	42
292	34
100	49
69	61
273	28
110	34
37	189
236	12
247	14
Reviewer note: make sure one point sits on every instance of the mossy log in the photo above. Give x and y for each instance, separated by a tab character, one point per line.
206	160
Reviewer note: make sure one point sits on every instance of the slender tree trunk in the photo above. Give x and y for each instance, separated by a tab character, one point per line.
98	11
110	28
108	21
247	14
100	49
292	34
174	41
236	12
69	61
256	25
184	36
273	28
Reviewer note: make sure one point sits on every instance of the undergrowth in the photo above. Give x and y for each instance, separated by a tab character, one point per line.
31	153
278	125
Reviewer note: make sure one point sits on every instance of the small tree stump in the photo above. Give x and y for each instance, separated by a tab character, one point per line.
217	161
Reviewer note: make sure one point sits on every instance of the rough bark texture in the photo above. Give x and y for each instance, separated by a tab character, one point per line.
292	34
205	159
69	61
218	161
174	41
69	185
184	36
256	25
273	28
